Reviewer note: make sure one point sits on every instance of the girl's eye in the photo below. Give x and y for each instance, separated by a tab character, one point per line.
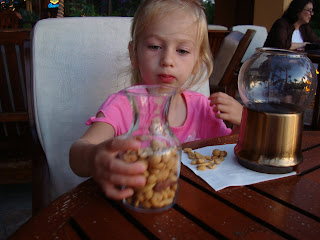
183	52
154	47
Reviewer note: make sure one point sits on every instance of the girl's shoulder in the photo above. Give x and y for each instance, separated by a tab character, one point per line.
118	95
118	98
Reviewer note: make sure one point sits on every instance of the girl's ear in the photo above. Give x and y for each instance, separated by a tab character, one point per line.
132	54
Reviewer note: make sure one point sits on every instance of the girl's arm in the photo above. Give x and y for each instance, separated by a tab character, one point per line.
96	154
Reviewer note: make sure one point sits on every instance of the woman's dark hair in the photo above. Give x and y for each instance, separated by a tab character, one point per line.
296	6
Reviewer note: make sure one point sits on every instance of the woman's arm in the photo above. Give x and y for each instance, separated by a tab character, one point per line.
298	46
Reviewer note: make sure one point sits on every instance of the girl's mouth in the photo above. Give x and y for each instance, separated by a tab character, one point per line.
166	78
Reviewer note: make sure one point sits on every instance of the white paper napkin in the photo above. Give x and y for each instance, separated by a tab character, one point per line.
229	172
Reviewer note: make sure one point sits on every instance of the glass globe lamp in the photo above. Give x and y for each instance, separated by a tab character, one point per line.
275	86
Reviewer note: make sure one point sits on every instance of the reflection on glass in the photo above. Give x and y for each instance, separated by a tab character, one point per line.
275	80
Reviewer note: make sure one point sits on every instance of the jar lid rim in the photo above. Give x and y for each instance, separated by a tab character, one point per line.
280	51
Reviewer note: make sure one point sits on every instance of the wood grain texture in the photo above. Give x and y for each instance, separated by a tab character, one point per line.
286	208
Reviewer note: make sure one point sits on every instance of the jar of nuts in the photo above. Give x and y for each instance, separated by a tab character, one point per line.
160	149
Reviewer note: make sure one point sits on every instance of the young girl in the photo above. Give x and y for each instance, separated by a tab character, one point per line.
169	46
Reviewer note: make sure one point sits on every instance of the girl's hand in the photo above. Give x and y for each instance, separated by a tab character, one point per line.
112	173
226	107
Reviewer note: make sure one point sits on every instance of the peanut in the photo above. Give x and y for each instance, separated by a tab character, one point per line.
162	169
216	152
186	150
205	162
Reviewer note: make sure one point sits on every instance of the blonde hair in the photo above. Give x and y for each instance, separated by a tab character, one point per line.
148	10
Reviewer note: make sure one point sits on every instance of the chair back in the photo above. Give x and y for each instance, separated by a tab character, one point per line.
8	19
14	123
77	62
228	61
257	41
215	39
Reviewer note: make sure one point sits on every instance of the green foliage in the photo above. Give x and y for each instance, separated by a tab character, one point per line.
29	18
209	10
124	8
81	9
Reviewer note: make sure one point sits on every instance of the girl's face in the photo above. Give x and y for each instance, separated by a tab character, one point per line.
305	15
167	51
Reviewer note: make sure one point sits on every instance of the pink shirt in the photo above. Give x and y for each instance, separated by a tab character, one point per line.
201	122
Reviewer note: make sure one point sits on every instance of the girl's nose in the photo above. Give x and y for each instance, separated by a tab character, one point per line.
167	58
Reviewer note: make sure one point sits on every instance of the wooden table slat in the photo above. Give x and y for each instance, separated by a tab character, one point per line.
66	232
159	225
310	160
300	198
171	224
106	222
221	217
57	213
250	201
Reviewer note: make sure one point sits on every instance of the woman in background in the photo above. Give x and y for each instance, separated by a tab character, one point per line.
292	31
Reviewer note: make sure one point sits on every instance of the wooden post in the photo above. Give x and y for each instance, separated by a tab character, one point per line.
60	13
110	8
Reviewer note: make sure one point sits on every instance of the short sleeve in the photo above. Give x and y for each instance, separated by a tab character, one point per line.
117	112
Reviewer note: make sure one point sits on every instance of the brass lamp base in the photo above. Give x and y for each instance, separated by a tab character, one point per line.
270	142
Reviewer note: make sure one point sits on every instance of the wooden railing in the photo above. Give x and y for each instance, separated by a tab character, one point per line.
15	136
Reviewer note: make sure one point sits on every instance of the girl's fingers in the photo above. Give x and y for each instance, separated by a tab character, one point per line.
116	193
126	180
118	166
121	144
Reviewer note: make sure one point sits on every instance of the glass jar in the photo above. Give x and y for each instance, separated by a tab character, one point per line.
275	86
160	149
277	81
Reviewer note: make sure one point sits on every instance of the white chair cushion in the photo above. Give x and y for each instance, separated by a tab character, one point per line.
257	41
216	27
224	56
76	65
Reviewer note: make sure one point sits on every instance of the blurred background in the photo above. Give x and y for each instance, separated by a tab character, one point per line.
221	12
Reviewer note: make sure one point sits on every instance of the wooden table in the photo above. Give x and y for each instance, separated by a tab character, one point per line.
287	208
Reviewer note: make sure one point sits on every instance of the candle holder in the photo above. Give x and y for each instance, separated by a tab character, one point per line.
275	86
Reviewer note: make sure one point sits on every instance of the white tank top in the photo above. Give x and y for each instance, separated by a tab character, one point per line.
296	37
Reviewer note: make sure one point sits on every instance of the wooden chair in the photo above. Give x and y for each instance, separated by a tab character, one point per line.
257	41
215	39
15	137
8	19
228	60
